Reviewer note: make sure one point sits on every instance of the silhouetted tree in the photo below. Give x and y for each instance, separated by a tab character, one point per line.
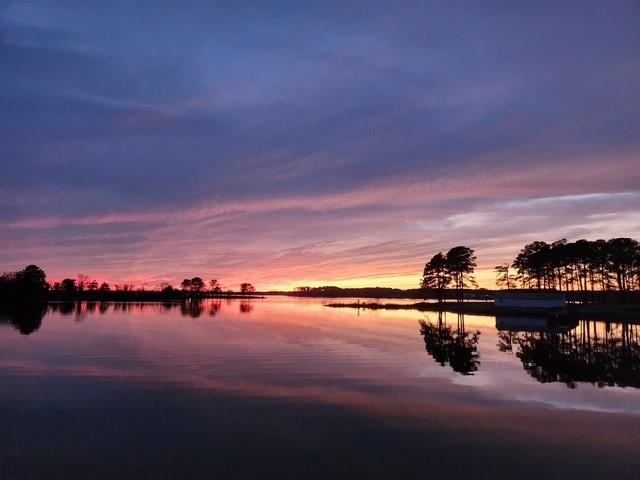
531	263
436	275
504	279
623	259
214	286
33	282
8	285
247	288
27	285
185	286
197	285
584	266
460	263
82	282
69	285
456	266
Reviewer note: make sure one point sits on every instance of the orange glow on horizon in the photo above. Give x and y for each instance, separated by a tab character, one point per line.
485	278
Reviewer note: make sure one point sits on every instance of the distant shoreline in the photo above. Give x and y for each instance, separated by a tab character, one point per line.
617	312
144	296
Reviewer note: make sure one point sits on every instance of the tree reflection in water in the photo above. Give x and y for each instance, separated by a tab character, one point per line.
214	307
191	308
26	319
458	348
246	306
80	310
599	353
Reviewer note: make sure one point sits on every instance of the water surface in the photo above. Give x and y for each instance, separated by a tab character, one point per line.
289	388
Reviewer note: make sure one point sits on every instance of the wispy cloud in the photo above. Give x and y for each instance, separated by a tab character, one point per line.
328	145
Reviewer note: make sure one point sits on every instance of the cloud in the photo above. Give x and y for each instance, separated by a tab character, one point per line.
230	136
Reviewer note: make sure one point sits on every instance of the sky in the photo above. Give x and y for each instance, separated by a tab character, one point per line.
311	143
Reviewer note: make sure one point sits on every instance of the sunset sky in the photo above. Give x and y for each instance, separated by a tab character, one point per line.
287	144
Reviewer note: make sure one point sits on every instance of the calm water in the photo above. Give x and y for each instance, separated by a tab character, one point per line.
284	388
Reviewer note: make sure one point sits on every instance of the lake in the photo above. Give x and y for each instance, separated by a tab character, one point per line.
290	388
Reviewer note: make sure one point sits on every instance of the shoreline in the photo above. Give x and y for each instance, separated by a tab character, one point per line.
138	297
604	312
152	299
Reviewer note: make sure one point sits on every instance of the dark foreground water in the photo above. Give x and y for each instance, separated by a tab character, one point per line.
283	388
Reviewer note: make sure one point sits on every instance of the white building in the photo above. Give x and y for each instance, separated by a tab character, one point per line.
531	300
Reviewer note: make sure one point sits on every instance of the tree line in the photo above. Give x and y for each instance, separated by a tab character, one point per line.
581	266
30	285
197	285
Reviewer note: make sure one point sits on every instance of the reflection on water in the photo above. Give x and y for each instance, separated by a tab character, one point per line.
246	306
456	347
80	310
550	350
214	307
587	351
282	388
192	308
26	319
